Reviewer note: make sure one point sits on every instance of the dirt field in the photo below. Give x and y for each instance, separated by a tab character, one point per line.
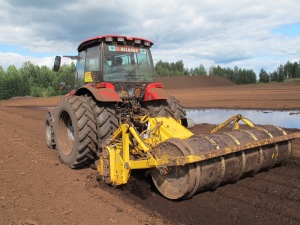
216	92
35	188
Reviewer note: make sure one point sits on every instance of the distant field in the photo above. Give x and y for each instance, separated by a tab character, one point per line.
193	81
218	92
211	92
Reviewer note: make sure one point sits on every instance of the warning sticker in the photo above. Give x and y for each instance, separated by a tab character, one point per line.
88	77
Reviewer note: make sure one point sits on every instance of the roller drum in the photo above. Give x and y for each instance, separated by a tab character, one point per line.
184	181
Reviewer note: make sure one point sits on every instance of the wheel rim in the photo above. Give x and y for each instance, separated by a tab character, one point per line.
65	133
70	131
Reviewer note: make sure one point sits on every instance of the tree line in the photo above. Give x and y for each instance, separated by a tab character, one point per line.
35	81
236	75
41	81
287	71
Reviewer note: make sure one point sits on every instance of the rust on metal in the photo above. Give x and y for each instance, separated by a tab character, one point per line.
183	160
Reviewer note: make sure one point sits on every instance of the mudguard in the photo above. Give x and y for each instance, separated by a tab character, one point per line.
155	91
105	92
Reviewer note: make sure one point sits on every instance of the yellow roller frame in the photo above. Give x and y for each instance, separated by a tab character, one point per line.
130	150
120	154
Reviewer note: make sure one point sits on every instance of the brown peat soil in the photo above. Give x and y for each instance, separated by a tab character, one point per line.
35	188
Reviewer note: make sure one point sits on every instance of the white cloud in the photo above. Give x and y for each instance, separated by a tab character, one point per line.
223	32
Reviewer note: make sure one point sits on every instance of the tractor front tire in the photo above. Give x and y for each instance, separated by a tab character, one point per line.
49	131
75	131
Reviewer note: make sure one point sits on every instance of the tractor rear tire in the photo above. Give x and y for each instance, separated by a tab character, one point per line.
75	131
158	108
49	131
107	122
176	109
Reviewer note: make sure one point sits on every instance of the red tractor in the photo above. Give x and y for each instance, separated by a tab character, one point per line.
114	85
120	117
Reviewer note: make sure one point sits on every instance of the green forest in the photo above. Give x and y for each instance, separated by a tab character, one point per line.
237	75
36	81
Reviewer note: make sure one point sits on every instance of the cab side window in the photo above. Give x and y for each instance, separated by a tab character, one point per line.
92	59
80	68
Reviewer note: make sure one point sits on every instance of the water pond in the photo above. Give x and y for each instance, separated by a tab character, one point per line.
287	119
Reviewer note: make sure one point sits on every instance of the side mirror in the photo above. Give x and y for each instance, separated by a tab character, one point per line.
56	63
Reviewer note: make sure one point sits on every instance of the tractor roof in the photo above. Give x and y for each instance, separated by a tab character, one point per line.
113	38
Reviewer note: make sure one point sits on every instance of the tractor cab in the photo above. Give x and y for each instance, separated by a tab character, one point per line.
124	62
127	63
113	59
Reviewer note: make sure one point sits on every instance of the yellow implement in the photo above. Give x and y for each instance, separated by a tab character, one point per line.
184	164
235	119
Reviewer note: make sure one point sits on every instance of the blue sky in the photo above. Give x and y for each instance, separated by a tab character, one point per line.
290	30
250	34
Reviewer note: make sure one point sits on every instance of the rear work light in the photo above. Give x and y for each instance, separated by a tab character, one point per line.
120	39
109	39
101	85
138	42
105	85
146	43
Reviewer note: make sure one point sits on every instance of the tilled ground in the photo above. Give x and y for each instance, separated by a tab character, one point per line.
35	188
270	197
